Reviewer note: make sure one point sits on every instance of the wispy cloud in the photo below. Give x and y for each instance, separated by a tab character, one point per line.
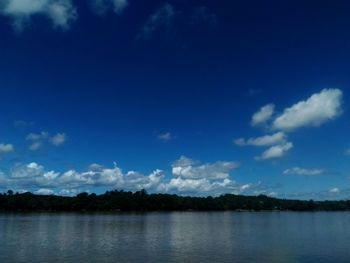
6	148
102	6
334	193
58	139
61	12
266	140
163	17
36	145
37	136
38	140
168	17
165	137
254	92
22	124
303	171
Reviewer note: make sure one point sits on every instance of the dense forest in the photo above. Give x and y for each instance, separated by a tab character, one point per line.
142	201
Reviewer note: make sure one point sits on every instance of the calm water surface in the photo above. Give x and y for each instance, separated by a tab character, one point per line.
176	237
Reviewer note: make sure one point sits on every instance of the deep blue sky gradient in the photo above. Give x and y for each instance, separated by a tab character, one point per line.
113	93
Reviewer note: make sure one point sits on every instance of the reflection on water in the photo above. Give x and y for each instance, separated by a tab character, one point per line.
175	237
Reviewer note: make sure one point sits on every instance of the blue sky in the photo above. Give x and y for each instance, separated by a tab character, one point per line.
186	97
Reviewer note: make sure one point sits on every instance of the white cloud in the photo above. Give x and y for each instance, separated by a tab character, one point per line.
165	137
267	140
187	168
315	111
276	151
303	171
162	17
69	192
347	152
188	177
272	194
27	171
119	5
35	146
190	185
39	139
44	191
37	136
60	12
334	190
192	177
33	175
263	115
58	139
6	148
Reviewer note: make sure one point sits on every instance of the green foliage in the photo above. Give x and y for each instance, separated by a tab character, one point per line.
142	201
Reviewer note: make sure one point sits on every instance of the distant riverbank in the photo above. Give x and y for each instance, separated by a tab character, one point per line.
119	201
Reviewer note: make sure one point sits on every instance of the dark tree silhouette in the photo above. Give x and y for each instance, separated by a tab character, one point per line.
142	201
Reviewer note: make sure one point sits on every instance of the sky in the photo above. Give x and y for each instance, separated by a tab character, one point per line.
183	97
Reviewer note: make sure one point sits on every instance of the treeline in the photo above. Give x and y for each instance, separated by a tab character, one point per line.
142	201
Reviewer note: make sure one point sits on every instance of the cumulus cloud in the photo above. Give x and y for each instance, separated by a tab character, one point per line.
187	168
276	151
263	115
303	171
318	109
34	175
162	18
27	171
102	6
267	140
196	185
188	177
313	112
277	142
60	12
6	148
192	177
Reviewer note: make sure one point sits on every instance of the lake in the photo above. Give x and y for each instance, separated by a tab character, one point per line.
176	237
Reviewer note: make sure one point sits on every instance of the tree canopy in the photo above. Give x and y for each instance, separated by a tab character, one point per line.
119	200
